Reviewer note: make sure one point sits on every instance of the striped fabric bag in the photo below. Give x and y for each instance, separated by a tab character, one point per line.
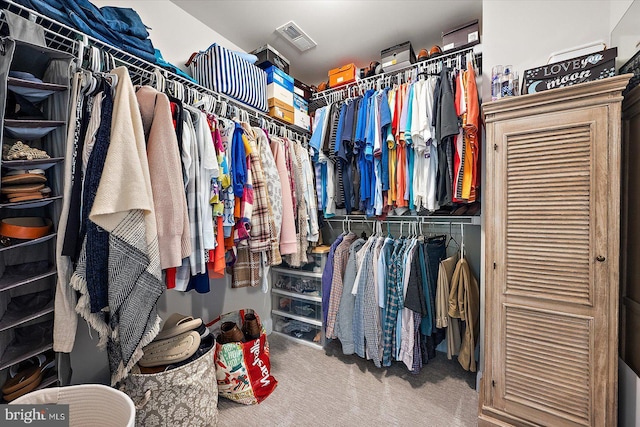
223	71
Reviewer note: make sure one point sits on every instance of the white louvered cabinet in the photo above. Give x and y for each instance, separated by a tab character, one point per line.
552	257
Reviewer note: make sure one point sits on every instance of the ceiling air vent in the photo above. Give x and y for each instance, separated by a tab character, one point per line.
296	36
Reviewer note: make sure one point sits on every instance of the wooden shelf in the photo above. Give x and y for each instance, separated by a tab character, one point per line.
11	320
10	281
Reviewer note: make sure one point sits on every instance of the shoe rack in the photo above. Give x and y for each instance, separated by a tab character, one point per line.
297	302
28	266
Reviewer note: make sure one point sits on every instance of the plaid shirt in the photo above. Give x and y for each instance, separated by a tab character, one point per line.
391	306
372	332
340	258
359	317
260	232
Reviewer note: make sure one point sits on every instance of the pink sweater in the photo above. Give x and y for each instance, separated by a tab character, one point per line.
165	170
288	241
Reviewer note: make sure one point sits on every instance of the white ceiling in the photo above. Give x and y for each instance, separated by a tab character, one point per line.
346	31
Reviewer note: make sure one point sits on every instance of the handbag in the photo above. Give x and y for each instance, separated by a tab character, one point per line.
243	369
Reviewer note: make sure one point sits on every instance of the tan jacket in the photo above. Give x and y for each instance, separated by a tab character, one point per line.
464	303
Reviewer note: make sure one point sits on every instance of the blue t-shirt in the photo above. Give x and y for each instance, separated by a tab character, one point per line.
238	162
347	128
385	122
315	142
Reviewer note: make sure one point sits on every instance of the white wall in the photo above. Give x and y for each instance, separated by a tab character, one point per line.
617	11
523	33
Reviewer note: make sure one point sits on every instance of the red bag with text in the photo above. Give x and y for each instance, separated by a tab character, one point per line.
243	369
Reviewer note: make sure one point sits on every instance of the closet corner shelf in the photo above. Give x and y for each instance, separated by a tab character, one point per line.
29	204
5	363
9	321
29	242
297	295
299	341
297	317
13	81
40	163
10	281
296	272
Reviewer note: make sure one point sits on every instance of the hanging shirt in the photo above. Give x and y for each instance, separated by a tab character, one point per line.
227	129
385	124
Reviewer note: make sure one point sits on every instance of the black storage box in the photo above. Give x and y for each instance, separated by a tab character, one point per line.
465	35
302	89
268	56
397	57
586	68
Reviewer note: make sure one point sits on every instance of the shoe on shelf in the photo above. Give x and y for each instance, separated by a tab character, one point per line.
230	333
251	327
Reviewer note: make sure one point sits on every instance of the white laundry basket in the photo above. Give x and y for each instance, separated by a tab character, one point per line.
92	405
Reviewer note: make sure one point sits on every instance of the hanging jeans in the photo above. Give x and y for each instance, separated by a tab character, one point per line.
435	251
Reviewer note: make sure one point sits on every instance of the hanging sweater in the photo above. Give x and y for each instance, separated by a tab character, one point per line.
288	243
165	170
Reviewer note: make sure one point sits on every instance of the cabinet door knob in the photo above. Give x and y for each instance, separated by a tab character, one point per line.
600	258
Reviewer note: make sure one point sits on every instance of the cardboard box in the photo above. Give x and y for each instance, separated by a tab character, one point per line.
283	114
342	76
275	102
397	57
268	56
275	90
582	69
301	104
465	35
302	120
276	75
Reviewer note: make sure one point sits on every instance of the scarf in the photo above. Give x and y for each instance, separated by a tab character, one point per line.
123	208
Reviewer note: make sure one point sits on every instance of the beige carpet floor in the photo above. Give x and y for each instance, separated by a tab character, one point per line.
327	388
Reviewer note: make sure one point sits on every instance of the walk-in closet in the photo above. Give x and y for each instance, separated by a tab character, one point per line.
273	213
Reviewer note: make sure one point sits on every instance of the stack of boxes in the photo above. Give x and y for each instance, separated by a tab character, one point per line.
288	99
301	96
280	94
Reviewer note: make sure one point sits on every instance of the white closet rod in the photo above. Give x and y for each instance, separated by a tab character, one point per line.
434	219
67	39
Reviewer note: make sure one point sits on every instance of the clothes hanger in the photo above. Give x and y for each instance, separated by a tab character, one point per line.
451	238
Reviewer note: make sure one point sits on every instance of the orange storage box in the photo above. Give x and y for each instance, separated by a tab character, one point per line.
342	75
